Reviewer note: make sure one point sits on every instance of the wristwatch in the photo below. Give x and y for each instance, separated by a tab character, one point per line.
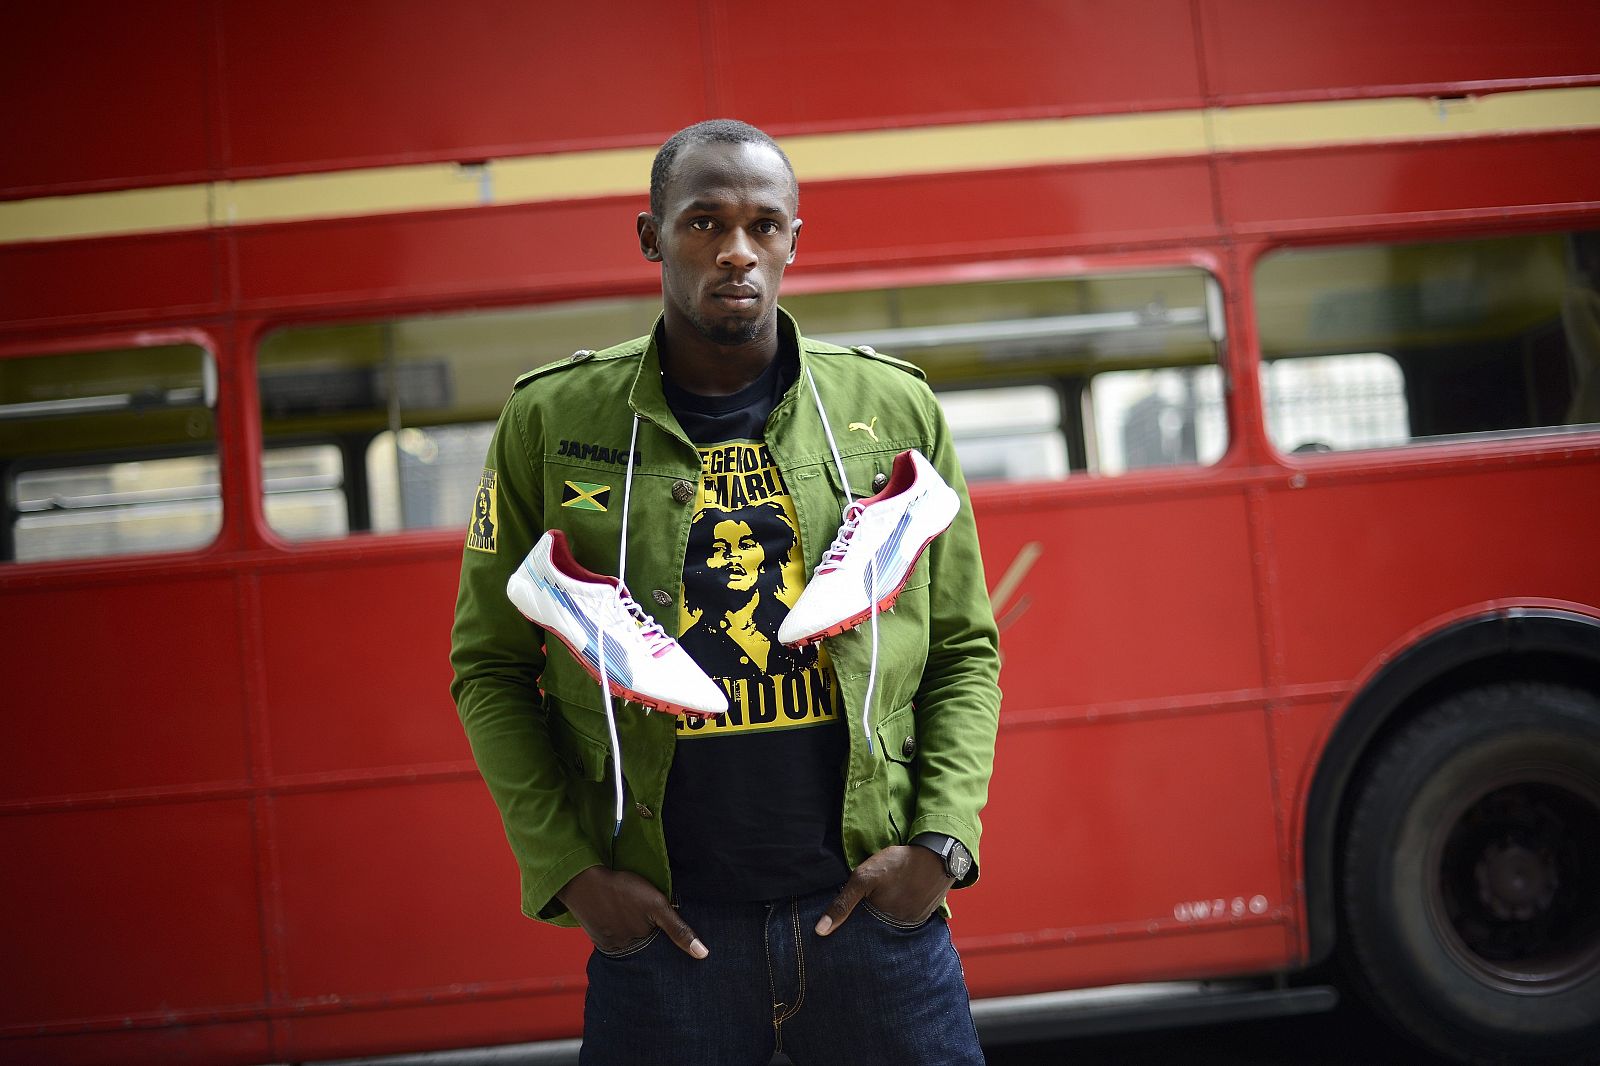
957	859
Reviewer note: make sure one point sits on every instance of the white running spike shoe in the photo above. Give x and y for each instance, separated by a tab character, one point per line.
885	534
590	611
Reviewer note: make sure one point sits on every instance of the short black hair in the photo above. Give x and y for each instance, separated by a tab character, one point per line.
711	131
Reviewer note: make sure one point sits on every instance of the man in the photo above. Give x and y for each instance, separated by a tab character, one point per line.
779	876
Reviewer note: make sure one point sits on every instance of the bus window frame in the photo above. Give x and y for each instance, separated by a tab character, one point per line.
824	278
90	344
1484	446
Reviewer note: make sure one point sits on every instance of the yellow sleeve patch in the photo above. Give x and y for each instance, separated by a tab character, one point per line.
482	531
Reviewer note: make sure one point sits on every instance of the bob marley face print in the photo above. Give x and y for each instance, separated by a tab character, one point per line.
735	549
746	548
734	578
742	572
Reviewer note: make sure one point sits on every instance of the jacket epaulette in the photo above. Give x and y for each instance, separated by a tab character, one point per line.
583	355
824	348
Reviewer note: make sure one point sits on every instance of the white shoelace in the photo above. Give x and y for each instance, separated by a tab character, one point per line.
655	637
841	543
851	514
653	633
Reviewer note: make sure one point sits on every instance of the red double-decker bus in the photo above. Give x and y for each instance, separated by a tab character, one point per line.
1270	334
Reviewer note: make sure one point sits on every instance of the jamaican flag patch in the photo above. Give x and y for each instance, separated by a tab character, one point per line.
584	496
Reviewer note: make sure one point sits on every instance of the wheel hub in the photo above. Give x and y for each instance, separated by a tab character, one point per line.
1517	875
1516	882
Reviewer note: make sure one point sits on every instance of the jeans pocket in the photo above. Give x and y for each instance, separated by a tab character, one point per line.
631	949
894	923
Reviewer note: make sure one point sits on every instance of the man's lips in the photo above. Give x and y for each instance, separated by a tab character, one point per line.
735	296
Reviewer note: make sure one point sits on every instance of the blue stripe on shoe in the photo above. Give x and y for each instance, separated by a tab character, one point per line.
617	668
887	560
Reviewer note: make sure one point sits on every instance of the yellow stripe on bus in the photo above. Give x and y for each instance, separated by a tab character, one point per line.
817	157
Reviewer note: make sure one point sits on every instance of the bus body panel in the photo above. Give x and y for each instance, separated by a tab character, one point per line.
249	822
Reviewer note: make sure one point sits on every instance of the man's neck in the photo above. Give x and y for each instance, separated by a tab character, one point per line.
697	364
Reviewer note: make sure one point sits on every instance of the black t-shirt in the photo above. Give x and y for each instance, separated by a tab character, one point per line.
754	798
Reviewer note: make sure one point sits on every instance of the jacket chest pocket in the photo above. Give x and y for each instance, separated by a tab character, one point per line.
586	502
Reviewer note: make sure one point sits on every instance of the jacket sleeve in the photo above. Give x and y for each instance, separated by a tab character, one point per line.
497	656
958	699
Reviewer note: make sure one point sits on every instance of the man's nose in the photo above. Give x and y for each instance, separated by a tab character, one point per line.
738	251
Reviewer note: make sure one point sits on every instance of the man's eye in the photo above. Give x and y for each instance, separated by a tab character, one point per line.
701	223
767	227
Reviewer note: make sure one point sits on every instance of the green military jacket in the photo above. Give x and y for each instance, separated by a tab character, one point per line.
534	716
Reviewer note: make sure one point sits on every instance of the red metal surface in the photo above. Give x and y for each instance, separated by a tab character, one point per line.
1194	578
1281	193
135	75
1396	576
1264	49
130	914
237	773
328	708
432	904
486	78
101	720
124	279
909	62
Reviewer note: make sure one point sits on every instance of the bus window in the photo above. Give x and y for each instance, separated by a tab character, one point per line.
1040	377
1385	345
1011	433
1335	402
108	452
305	491
382	426
1148	418
424	477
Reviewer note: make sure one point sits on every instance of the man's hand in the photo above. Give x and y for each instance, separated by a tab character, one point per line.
618	909
905	882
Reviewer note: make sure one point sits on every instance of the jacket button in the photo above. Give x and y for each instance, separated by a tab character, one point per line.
880	481
642	811
662	597
682	491
909	748
583	355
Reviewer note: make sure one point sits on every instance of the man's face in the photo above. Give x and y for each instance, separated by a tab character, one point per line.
735	550
727	231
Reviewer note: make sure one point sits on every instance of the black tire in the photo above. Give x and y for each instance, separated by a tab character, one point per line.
1471	876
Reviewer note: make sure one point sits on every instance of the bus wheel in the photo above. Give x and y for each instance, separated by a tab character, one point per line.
1471	877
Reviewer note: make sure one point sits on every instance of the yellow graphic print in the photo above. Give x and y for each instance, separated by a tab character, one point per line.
742	572
485	525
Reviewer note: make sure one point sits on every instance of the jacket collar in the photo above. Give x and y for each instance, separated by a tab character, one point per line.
649	401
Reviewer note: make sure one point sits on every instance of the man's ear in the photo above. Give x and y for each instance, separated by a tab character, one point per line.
649	242
794	241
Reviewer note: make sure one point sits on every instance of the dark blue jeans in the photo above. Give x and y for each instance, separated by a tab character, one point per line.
873	992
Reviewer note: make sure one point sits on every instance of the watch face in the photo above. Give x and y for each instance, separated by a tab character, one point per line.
958	862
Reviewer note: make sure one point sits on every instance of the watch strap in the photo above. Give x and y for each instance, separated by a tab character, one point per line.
957	860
